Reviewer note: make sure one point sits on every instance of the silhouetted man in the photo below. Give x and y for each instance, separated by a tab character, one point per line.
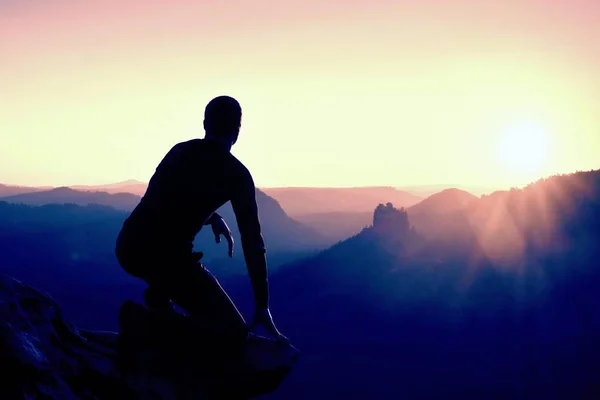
193	180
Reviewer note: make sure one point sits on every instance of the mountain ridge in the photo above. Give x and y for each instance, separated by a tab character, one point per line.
11	190
300	201
282	233
405	308
66	195
446	201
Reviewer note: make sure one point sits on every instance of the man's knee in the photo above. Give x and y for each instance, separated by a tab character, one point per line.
130	264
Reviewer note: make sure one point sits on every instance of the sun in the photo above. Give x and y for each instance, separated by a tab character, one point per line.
523	148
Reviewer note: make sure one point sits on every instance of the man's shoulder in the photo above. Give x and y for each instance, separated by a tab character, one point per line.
199	149
241	170
238	163
206	150
183	147
189	144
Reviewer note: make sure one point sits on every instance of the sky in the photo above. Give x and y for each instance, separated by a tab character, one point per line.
352	93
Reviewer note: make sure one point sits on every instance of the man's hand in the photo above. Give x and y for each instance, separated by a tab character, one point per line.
219	227
263	318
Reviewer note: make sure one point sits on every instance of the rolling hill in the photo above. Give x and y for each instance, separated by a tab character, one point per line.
428	190
341	225
298	200
445	202
65	195
442	213
128	186
12	190
282	233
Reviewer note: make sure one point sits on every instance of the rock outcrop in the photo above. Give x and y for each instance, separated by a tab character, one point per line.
154	356
387	218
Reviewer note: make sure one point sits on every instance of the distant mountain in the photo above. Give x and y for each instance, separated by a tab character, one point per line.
443	213
303	201
284	233
291	233
298	201
508	224
390	313
65	195
128	186
341	225
444	202
428	190
11	190
104	213
59	241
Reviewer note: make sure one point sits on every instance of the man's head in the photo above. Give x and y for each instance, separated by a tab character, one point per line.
223	119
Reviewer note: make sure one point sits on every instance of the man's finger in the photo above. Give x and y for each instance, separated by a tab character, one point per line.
218	238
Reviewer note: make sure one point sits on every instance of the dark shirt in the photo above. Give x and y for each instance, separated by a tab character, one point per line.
193	180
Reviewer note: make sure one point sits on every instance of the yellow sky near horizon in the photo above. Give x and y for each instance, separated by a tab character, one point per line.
404	93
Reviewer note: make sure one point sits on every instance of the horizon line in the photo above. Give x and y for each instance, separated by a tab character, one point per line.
138	182
405	187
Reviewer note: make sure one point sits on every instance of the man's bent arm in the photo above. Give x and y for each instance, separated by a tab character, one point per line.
246	212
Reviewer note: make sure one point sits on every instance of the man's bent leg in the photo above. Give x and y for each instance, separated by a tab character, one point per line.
137	264
198	292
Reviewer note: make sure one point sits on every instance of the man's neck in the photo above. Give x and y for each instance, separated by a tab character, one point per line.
223	143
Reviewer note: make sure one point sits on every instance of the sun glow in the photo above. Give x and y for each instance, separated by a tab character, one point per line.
523	148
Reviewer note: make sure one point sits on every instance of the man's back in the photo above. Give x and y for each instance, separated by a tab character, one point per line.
191	182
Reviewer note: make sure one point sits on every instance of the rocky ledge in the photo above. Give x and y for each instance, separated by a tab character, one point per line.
154	356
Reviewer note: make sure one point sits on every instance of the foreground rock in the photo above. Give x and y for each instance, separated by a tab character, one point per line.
156	356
